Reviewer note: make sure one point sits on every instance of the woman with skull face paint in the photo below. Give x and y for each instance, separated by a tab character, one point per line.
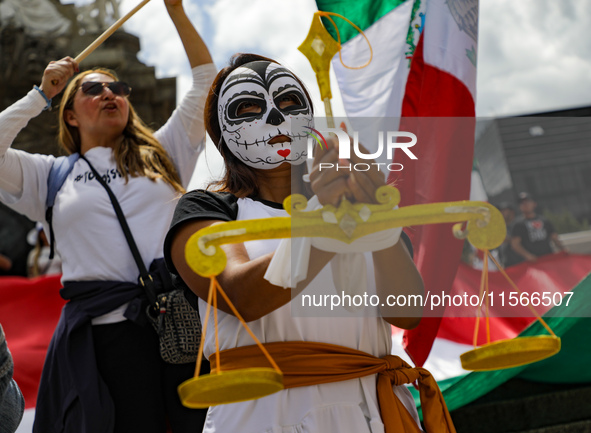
252	112
103	371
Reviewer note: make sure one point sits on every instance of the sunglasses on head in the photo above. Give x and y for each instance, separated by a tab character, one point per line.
94	88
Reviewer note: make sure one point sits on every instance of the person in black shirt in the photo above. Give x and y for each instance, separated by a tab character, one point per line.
532	235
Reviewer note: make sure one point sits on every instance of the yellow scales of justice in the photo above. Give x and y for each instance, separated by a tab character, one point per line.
484	228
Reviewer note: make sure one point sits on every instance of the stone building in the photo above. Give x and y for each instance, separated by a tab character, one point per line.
546	154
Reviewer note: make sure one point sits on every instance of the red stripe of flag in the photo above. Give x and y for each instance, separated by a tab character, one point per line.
439	109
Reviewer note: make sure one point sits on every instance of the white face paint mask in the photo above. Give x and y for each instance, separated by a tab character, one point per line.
259	101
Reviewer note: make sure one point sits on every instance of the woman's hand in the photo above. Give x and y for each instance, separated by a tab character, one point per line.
56	76
363	184
331	179
327	182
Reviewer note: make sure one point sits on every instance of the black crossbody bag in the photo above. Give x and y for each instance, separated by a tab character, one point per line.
176	322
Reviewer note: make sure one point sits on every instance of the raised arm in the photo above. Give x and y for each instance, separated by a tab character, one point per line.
196	50
16	117
183	135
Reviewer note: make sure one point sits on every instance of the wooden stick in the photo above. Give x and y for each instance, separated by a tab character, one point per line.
102	38
109	32
328	111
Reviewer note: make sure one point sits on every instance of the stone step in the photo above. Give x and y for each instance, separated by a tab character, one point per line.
523	406
575	427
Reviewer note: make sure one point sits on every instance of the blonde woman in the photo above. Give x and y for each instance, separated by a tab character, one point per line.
103	372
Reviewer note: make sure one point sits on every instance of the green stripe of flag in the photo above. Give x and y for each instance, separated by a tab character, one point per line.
361	12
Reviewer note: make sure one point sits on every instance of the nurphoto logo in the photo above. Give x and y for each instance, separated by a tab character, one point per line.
387	141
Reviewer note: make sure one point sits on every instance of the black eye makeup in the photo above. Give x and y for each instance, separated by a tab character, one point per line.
248	107
290	101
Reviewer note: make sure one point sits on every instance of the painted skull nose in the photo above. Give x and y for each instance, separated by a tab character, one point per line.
275	117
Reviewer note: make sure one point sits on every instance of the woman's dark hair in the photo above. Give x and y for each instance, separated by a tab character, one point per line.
239	178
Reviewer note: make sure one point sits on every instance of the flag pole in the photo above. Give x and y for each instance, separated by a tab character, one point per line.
103	37
328	111
319	47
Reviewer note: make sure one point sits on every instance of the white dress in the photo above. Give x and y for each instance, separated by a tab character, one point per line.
345	407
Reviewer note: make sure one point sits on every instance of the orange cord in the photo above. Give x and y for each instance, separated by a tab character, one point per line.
486	298
519	291
328	16
214	286
215	324
204	323
482	284
237	314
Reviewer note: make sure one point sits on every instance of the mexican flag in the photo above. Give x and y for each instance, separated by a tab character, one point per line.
423	80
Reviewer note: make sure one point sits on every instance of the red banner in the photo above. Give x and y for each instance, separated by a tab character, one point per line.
29	313
542	283
30	309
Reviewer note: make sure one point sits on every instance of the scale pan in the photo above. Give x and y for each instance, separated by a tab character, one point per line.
229	387
510	353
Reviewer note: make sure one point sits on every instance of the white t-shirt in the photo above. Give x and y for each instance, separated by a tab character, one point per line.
88	235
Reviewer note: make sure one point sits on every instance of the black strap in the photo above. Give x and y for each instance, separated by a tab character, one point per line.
49	219
145	278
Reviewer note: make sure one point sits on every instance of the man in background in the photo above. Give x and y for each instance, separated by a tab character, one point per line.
532	234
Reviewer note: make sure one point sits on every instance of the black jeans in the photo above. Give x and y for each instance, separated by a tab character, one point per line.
142	386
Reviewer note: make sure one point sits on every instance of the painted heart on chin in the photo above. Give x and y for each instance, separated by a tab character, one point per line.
284	152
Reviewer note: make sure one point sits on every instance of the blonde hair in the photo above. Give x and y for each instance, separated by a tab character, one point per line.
138	154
